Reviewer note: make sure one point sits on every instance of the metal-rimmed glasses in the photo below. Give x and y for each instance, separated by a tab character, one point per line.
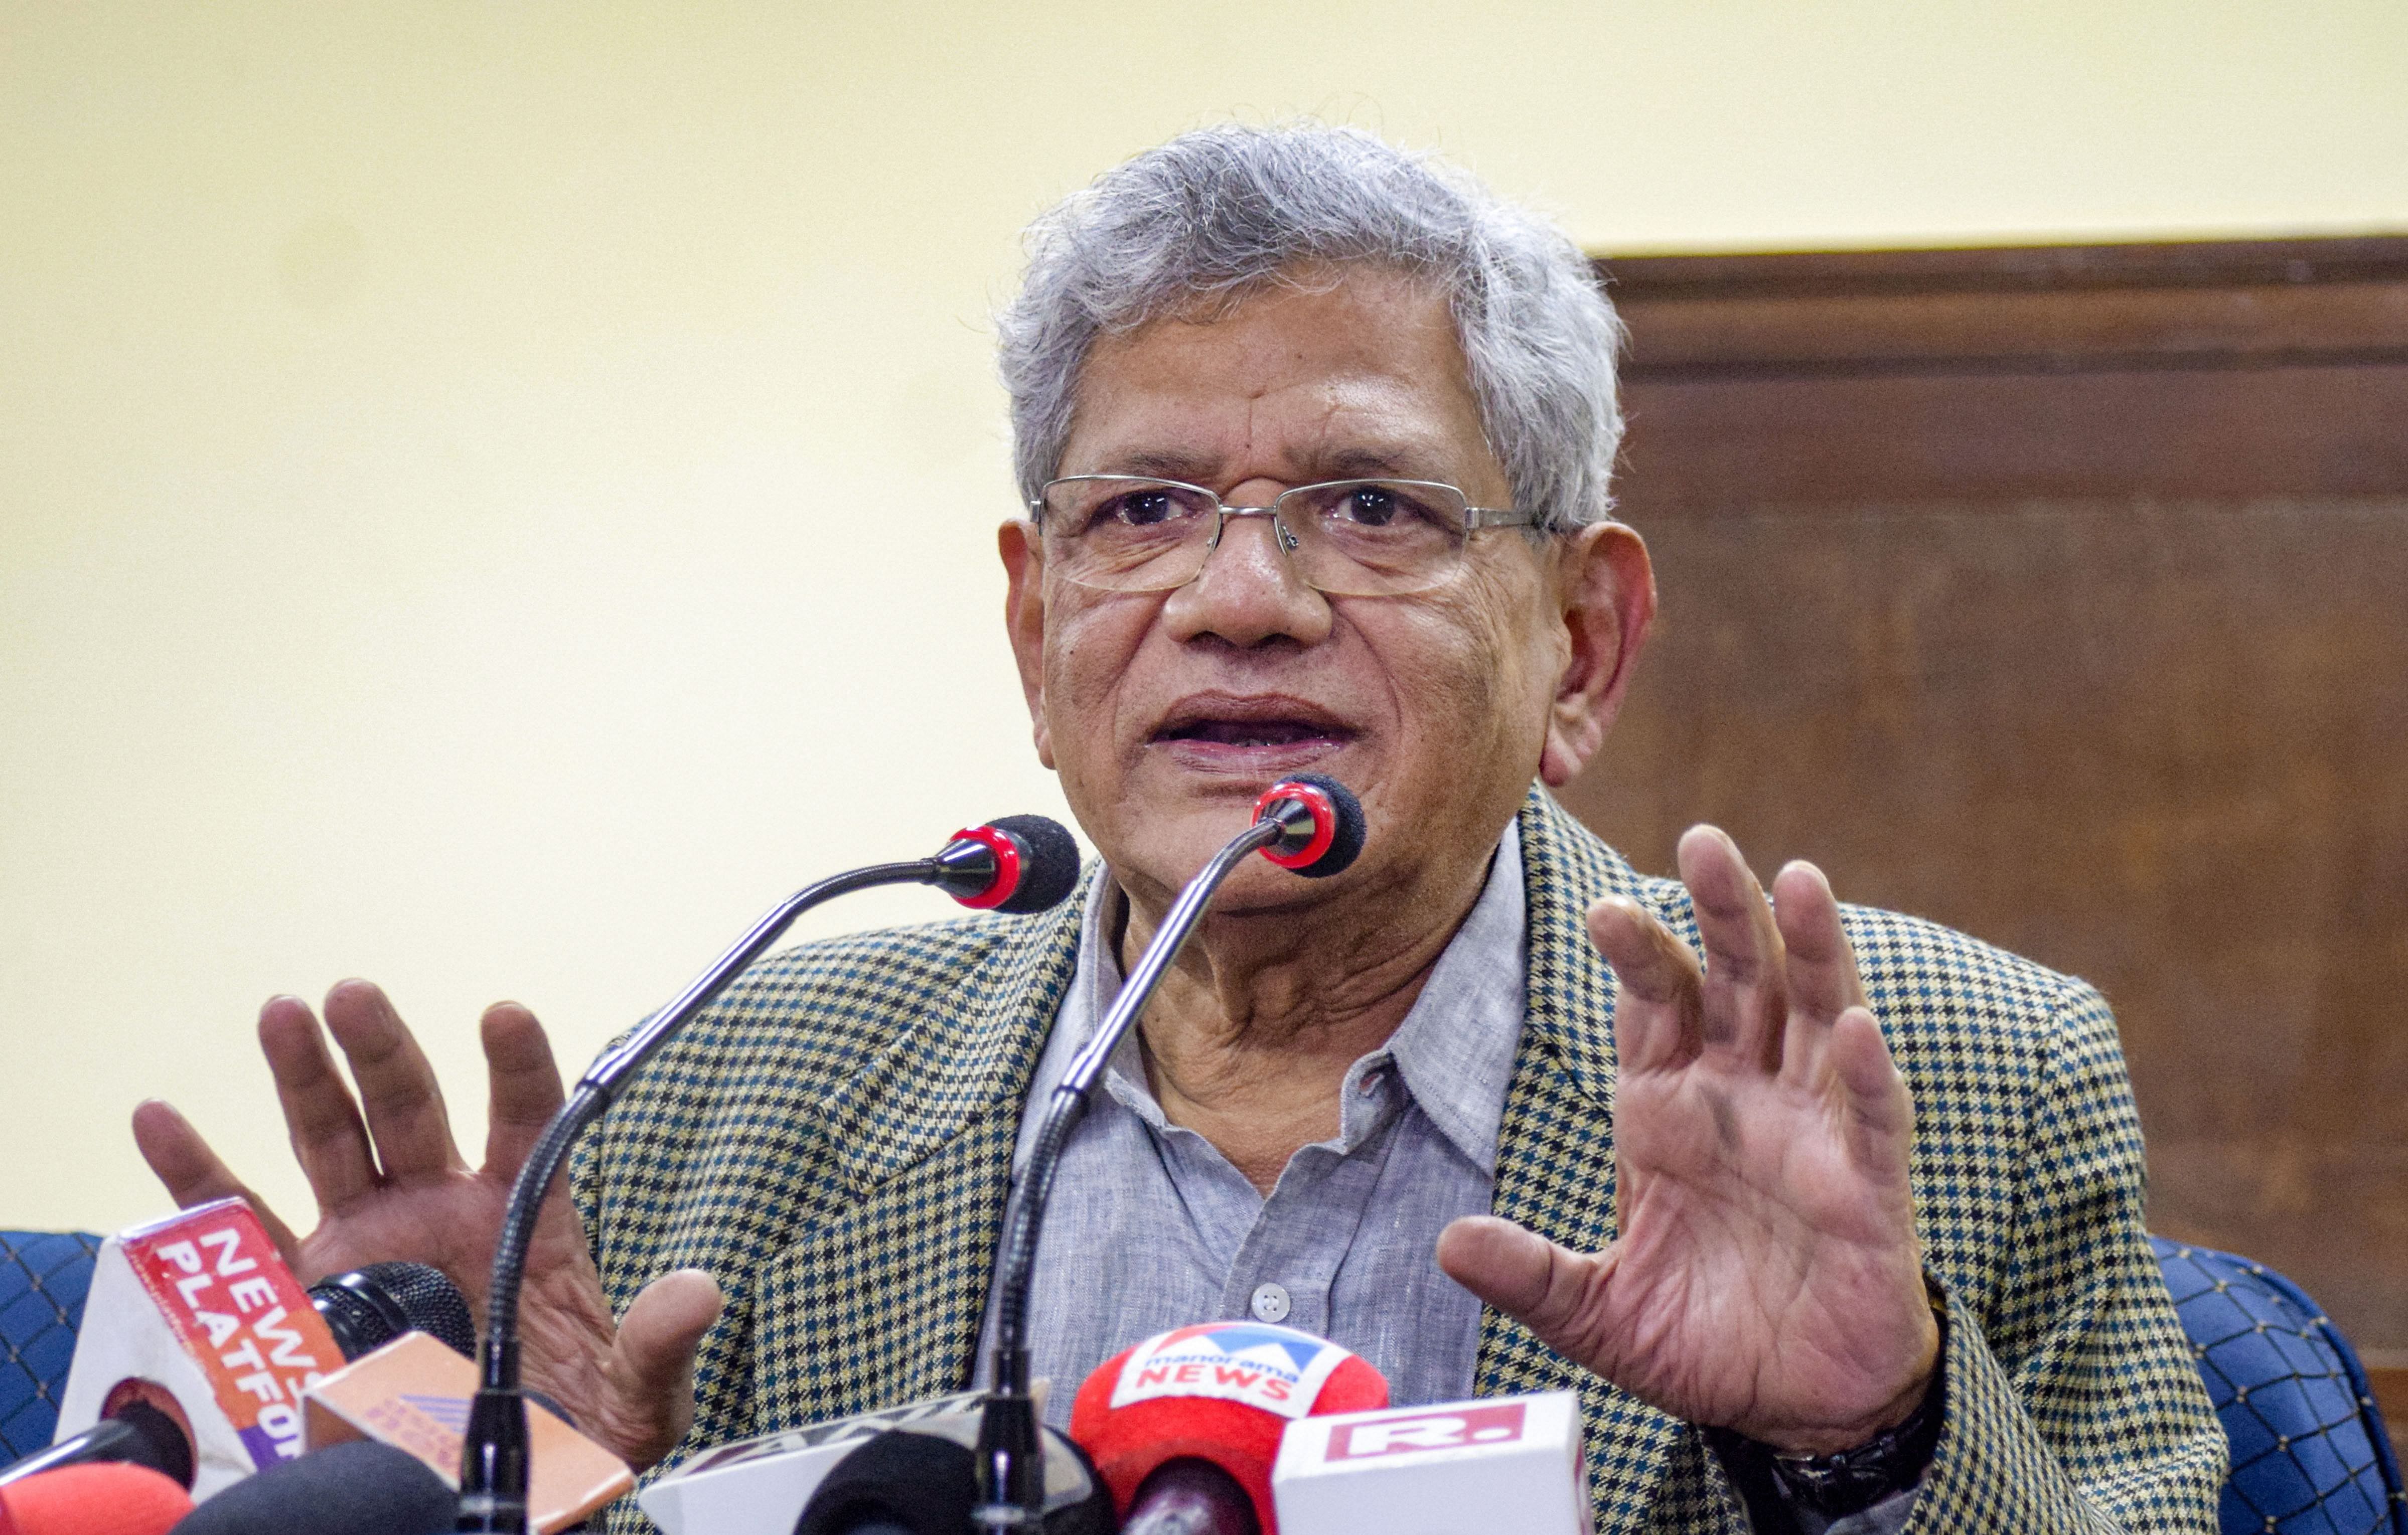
1346	537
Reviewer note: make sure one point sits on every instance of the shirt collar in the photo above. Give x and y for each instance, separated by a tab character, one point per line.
1453	1052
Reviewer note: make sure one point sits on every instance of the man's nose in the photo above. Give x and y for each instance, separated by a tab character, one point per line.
1248	590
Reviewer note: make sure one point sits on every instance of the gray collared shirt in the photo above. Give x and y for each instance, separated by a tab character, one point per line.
1150	1227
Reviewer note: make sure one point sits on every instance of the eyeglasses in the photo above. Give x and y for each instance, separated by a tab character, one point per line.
1347	538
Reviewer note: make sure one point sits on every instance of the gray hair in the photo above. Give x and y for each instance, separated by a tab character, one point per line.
1220	211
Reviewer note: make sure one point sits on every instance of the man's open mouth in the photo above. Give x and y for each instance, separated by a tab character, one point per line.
1252	732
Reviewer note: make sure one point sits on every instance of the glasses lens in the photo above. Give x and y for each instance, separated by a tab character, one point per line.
1375	538
1128	535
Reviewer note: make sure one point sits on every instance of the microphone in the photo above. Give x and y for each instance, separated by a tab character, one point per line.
924	1481
766	1485
1309	823
1185	1426
368	1308
199	1341
1455	1469
1018	864
97	1499
136	1332
759	1487
359	1488
413	1395
1033	863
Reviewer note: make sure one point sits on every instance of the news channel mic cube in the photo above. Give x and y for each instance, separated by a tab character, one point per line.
1466	1467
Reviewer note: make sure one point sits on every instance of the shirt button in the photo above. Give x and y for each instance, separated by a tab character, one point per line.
1271	1303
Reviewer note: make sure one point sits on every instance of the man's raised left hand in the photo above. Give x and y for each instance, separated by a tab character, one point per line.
1766	1277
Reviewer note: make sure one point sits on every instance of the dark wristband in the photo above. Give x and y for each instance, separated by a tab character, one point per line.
1853	1480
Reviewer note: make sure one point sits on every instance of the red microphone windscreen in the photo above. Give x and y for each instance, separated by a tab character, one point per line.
1223	1393
102	1497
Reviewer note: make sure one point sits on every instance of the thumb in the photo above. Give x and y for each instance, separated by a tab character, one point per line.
652	1363
1557	1293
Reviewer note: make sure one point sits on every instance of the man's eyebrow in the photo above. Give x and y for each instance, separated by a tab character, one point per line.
1358	462
1164	464
1370	463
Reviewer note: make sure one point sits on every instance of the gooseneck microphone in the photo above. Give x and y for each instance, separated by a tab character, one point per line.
1310	825
1018	864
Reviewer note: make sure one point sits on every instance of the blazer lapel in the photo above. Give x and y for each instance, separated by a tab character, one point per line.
880	1302
1554	1164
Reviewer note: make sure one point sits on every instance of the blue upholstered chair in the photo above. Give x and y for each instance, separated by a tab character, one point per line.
2310	1453
43	1277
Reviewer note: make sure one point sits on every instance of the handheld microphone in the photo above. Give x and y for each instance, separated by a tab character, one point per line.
199	1342
1018	864
924	1481
1460	1467
1309	823
368	1308
759	1485
359	1488
181	1292
1185	1426
765	1486
95	1499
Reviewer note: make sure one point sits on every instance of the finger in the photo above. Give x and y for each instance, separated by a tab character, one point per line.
1557	1293
1657	1021
1746	995
398	1093
193	1174
324	1123
1822	968
524	1085
1823	978
651	1365
1881	1110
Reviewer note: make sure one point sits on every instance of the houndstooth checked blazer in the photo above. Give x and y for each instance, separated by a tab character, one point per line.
833	1140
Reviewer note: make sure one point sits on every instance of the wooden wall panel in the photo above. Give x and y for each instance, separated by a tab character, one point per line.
2062	596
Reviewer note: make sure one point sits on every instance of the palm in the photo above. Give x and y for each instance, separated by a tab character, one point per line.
450	1218
1767	1276
391	1185
1694	1317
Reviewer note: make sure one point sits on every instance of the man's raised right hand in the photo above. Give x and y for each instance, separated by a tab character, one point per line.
391	1185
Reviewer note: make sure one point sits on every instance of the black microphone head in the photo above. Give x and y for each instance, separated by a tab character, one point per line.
370	1307
1321	837
919	1483
1018	864
908	1483
357	1488
1048	863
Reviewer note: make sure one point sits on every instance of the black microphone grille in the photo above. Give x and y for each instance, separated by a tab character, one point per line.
361	1487
1346	827
368	1308
1049	865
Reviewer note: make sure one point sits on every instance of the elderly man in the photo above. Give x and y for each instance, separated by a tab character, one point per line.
1832	1218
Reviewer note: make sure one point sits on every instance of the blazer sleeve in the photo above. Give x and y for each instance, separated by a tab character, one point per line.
2075	1405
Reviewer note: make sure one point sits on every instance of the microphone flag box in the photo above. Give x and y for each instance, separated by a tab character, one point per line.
414	1394
1466	1467
761	1483
201	1307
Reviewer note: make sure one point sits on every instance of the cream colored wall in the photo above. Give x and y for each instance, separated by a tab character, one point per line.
482	485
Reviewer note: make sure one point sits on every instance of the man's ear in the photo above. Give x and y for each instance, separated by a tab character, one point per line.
1606	587
1023	619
